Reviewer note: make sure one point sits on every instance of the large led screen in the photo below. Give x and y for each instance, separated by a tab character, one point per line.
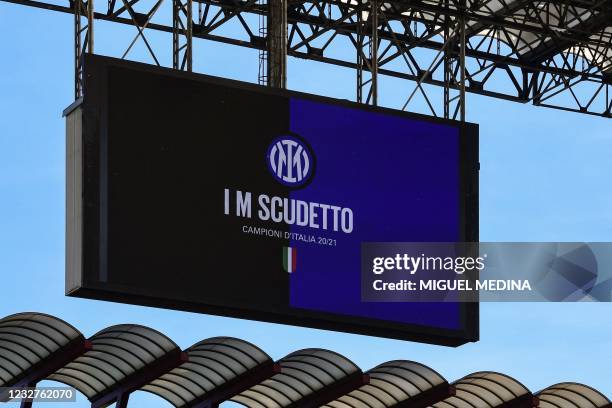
196	193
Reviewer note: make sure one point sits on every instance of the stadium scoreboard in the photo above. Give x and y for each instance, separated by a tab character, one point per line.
196	193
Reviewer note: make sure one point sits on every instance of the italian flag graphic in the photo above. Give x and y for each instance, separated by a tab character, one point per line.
289	259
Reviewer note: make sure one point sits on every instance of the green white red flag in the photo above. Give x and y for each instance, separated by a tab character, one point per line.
289	259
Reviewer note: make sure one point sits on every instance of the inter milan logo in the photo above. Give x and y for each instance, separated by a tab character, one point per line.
290	161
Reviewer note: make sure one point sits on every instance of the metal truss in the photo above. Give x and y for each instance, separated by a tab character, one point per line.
83	38
549	53
182	34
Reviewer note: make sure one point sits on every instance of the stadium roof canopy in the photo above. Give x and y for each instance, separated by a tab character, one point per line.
125	358
546	52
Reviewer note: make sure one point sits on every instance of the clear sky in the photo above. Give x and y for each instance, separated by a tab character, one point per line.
545	177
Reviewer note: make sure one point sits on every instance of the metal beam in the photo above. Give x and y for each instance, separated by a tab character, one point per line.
182	35
277	43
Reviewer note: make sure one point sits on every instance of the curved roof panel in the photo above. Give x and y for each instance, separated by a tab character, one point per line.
395	382
28	340
117	353
121	359
304	373
572	395
213	363
486	389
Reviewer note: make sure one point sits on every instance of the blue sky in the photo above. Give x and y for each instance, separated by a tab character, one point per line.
545	177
